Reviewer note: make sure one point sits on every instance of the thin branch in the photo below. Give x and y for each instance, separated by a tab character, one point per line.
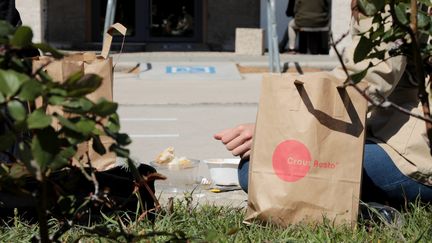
384	102
339	56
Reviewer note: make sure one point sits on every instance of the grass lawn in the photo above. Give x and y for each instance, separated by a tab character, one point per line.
205	223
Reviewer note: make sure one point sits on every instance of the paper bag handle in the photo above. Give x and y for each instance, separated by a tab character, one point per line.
338	108
108	37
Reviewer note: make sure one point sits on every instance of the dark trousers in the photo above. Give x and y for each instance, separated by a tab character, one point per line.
118	184
9	13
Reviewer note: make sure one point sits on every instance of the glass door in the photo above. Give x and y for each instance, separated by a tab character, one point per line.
153	20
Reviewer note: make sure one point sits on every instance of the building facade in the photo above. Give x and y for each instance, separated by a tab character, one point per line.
158	24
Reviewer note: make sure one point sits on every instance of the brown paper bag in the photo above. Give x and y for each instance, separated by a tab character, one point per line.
89	63
307	152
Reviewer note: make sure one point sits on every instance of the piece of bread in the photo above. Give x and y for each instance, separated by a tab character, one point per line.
165	156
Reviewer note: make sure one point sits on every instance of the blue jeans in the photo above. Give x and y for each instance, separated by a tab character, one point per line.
382	181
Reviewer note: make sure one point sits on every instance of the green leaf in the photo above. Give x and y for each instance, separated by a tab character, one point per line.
104	108
377	33
38	119
47	49
6	29
63	158
85	104
123	139
98	146
85	126
23	37
113	123
7	140
377	54
73	79
422	20
58	91
11	81
45	146
401	15
78	105
357	77
31	90
362	49
24	154
2	98
44	76
370	7
67	123
56	100
17	110
121	152
85	85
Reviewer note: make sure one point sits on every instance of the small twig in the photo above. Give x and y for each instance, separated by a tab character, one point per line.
339	56
91	177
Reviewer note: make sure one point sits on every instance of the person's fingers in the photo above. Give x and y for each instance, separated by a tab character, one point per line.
241	138
243	149
242	131
230	135
233	144
220	134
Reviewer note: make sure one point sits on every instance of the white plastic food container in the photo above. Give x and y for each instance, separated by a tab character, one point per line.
223	171
180	178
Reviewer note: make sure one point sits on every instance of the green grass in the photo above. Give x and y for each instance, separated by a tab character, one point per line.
224	224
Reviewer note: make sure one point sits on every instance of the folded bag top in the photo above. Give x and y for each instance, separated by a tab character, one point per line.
88	63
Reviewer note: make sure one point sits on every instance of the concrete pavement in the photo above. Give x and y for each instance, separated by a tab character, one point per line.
186	113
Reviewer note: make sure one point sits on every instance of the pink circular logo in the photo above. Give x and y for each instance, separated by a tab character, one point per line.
291	160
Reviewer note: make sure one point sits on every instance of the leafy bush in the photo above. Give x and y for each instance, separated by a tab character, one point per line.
35	149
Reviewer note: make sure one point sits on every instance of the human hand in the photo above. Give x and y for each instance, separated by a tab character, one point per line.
238	140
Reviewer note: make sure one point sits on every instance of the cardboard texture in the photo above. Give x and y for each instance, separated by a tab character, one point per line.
89	63
308	150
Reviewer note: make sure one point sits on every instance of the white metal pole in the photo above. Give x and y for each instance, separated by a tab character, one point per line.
275	41
109	14
269	37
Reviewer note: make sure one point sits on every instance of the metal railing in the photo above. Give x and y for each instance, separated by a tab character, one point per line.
272	37
110	14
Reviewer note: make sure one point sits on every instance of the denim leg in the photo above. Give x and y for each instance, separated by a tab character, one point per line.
383	181
243	174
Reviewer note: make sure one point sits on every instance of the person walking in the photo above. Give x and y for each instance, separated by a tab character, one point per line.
9	13
307	13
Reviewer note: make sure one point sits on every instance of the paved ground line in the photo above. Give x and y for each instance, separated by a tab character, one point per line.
148	119
154	135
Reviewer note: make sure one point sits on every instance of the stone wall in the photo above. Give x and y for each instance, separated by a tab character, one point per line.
341	18
224	16
31	12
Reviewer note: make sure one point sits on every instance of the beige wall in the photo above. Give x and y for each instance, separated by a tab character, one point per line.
341	17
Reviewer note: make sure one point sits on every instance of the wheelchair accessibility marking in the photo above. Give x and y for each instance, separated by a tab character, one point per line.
190	70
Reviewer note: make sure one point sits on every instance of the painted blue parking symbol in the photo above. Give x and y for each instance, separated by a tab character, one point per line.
190	69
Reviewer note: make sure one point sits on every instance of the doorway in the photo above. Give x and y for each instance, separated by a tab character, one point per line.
155	21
